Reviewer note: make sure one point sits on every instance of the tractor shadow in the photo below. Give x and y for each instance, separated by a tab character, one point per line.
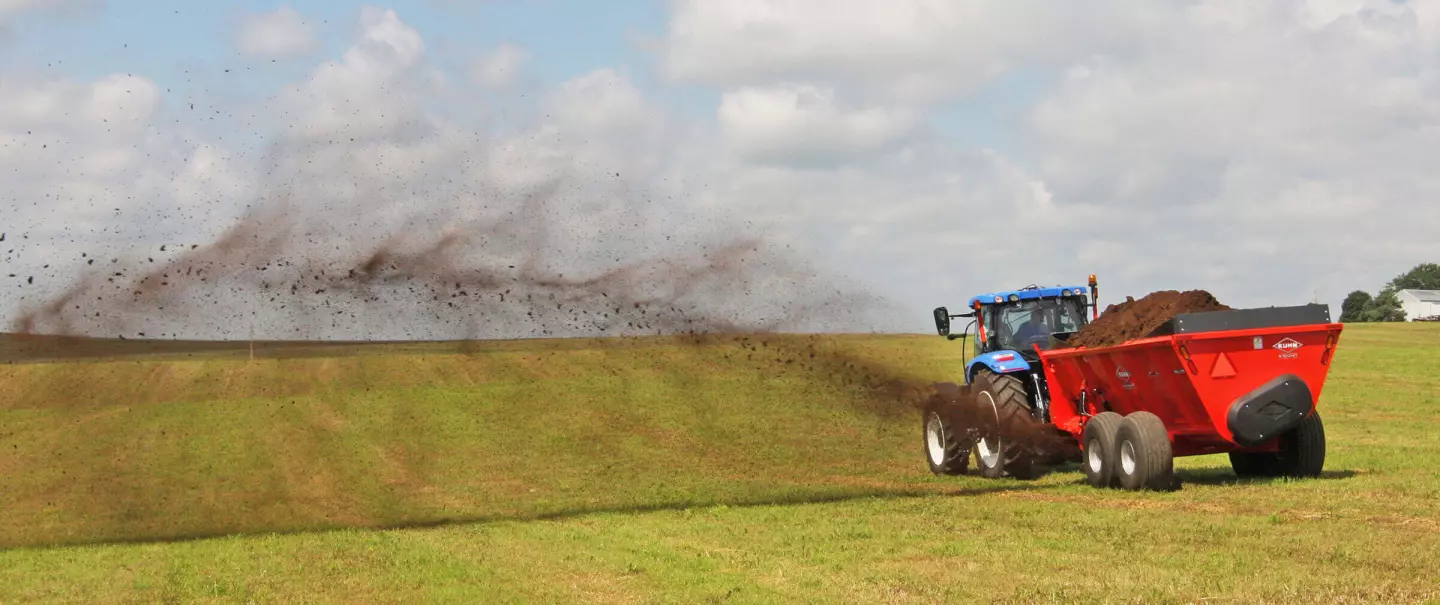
896	493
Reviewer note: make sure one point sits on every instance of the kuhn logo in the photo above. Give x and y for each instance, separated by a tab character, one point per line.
1288	348
1124	376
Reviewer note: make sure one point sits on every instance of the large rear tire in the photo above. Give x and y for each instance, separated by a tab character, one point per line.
1255	464
1099	448
1301	454
947	443
1145	459
1302	449
1003	420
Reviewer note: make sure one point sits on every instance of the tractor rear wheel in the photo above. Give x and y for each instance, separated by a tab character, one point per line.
1099	450
1003	420
947	444
1143	454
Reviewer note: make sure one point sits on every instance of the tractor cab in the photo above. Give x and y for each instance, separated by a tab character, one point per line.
1011	324
1023	323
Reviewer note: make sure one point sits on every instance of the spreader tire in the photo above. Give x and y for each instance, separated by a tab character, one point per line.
1099	448
1301	454
947	446
1255	464
1143	456
1003	412
1302	449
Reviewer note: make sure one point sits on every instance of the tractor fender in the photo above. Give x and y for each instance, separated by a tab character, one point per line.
1000	362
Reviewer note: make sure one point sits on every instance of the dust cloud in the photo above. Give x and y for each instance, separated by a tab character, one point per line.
553	257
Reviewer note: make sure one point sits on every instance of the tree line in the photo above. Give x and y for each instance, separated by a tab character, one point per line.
1360	306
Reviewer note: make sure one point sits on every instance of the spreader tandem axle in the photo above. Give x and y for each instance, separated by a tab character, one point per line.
1242	382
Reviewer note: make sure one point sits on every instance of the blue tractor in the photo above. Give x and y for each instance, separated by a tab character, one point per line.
1002	412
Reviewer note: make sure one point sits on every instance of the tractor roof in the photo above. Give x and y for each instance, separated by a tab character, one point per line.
1026	294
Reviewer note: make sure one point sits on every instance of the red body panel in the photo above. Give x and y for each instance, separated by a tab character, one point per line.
1188	380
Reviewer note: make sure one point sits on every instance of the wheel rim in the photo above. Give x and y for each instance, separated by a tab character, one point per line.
1092	455
935	439
989	454
1127	458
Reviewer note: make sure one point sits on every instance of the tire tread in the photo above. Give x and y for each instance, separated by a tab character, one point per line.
1302	450
1106	427
945	403
1012	407
1156	470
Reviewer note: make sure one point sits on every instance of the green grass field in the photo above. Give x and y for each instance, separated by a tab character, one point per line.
660	471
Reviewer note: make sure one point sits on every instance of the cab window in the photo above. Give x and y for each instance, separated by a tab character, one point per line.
1025	324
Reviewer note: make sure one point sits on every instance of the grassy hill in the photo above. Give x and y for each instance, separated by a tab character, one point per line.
734	470
157	450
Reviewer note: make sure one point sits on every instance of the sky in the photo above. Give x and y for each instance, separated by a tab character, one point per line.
924	151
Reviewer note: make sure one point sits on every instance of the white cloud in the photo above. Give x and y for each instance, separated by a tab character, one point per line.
599	101
1259	150
805	125
365	151
1279	138
95	168
905	50
113	102
1287	141
498	68
280	33
65	143
10	8
374	90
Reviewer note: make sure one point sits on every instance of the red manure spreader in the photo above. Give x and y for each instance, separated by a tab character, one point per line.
1243	382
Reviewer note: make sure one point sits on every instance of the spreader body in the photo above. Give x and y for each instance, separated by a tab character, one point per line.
1224	381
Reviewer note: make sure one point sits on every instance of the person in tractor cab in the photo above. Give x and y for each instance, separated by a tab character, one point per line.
1034	327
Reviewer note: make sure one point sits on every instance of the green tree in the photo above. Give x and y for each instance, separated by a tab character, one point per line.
1354	306
1384	307
1424	276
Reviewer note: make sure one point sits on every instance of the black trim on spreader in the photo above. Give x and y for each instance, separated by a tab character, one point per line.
1273	408
1245	319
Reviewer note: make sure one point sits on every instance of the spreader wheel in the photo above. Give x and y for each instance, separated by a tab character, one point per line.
947	450
1302	449
1099	448
1143	456
1003	414
1301	454
1255	464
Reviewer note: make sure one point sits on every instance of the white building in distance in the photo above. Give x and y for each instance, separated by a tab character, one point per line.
1419	304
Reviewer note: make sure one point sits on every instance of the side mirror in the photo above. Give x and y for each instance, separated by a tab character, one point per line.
942	321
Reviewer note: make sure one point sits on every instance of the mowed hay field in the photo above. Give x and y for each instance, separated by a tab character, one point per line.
657	471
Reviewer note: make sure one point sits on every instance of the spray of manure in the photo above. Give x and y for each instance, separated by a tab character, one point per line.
540	263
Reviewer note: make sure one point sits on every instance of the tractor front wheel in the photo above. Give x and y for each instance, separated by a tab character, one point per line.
1003	420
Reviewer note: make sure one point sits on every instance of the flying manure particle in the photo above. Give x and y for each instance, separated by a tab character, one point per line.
516	261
